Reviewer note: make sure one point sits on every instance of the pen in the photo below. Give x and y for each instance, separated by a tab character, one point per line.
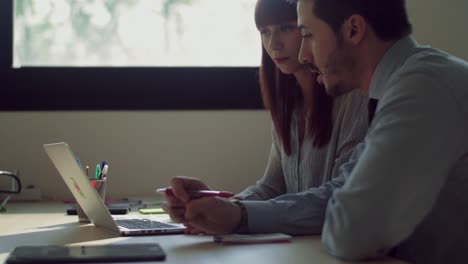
199	193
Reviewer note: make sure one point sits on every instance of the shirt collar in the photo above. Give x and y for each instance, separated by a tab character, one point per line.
390	62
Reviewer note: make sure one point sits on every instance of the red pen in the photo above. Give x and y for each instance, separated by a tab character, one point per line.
199	193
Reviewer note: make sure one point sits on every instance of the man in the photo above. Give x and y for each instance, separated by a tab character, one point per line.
403	193
406	195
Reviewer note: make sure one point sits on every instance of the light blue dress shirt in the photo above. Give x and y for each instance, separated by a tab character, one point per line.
404	191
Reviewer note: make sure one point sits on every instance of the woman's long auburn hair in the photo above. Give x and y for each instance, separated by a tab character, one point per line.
281	93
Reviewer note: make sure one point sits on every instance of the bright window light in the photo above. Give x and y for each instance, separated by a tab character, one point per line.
153	33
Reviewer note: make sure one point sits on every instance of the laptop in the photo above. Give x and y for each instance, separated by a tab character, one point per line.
87	197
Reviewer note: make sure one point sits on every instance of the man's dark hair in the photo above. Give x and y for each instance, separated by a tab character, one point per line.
388	18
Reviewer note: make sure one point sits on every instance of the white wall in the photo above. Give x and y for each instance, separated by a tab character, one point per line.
228	149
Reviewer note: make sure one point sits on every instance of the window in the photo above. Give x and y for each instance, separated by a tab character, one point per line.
129	55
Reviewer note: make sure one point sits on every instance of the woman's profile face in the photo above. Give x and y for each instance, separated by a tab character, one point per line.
282	42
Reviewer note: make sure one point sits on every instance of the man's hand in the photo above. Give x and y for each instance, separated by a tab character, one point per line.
212	215
208	215
175	204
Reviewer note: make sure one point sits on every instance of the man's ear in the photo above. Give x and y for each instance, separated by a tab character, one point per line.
354	29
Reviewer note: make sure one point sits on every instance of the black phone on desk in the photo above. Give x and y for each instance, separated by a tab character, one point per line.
88	253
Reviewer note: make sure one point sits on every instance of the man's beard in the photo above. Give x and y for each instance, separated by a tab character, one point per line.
342	64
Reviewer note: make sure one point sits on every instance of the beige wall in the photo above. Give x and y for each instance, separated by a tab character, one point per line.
228	149
442	24
144	149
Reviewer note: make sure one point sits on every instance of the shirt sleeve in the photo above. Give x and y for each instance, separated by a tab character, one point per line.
408	153
300	213
272	183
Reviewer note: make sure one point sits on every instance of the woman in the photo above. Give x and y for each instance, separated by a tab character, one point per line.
313	134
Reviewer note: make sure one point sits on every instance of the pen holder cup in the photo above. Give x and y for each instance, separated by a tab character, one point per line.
100	185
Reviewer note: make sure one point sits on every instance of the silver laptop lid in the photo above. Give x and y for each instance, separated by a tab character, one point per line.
76	180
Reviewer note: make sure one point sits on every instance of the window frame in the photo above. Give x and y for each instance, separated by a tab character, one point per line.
120	88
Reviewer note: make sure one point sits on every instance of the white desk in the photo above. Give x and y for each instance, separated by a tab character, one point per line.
47	223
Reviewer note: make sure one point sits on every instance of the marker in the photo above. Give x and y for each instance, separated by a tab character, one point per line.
98	171
199	193
103	163
104	171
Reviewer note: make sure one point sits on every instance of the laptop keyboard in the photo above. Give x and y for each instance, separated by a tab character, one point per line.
141	224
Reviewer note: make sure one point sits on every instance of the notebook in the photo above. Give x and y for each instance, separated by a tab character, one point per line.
76	180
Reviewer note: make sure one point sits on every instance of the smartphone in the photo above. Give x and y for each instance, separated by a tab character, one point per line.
83	254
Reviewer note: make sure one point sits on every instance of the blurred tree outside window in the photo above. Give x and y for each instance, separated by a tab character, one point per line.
159	33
